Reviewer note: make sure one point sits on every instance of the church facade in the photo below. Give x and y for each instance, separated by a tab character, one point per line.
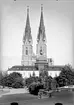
30	62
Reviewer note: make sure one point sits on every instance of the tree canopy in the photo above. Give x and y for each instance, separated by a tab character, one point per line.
66	76
11	79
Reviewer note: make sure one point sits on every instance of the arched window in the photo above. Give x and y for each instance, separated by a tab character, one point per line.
41	51
26	51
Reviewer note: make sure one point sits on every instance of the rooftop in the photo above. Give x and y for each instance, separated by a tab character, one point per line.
31	68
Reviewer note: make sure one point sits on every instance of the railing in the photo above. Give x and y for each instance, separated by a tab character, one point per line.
43	92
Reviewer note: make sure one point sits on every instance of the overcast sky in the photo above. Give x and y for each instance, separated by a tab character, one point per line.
59	25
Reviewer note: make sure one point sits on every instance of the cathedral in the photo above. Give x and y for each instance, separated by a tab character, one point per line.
30	62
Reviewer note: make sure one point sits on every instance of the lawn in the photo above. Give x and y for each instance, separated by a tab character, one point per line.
67	98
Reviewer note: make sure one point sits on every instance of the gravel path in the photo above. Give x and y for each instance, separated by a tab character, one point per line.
13	91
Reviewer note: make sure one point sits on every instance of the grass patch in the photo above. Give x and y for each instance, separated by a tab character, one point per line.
65	97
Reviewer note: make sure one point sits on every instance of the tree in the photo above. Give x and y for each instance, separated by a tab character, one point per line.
1	76
47	83
32	79
18	83
30	75
3	81
33	74
12	78
53	84
5	73
43	73
59	81
66	76
35	87
15	75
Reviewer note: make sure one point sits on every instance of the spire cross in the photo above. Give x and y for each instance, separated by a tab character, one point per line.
27	9
27	21
41	7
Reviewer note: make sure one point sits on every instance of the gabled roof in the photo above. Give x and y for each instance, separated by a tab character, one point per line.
30	68
55	67
19	67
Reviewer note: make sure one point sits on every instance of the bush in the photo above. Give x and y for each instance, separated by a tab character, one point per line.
11	79
66	76
54	84
30	80
17	85
47	83
34	88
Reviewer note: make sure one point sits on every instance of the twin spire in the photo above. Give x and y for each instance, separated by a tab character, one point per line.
27	21
41	32
41	19
27	33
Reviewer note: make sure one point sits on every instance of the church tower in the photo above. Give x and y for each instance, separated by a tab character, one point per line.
41	39
27	49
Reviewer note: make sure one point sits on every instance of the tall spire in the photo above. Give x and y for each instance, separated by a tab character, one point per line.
41	32
27	28
27	21
41	19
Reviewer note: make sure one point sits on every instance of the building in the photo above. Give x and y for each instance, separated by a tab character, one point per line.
35	63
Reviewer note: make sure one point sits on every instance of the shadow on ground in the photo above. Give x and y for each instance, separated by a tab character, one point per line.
65	97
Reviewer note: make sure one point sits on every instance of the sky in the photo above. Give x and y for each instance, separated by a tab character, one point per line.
59	26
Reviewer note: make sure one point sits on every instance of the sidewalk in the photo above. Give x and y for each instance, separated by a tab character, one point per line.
15	91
